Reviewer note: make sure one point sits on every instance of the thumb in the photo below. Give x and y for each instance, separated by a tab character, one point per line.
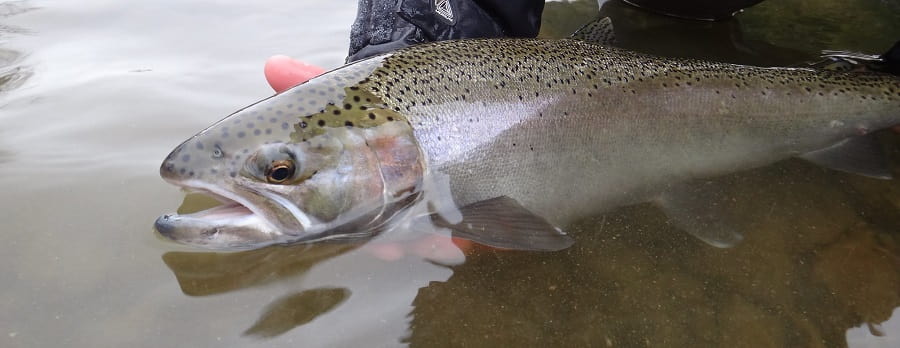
283	72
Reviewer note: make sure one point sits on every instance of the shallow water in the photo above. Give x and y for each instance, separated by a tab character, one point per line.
94	94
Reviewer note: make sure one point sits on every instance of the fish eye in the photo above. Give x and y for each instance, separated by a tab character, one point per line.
280	171
217	152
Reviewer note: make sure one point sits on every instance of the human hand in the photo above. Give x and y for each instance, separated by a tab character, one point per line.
283	72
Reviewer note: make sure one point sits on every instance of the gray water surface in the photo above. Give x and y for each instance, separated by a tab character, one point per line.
95	93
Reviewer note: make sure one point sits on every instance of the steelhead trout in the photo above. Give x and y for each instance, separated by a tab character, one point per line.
505	141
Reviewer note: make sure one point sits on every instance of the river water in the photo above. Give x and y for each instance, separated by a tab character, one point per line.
95	93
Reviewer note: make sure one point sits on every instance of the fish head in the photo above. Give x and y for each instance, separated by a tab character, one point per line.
324	160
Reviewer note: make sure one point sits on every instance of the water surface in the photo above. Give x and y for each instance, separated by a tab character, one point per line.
95	93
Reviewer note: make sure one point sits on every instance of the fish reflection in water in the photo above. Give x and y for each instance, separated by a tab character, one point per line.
204	274
297	309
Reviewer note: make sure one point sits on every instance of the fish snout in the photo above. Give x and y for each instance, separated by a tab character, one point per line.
179	229
165	227
167	170
177	166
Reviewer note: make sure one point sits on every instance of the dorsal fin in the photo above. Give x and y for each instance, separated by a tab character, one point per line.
599	31
845	61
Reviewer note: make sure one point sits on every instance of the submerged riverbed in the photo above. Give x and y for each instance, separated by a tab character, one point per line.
94	94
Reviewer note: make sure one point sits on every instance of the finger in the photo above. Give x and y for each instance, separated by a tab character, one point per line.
386	251
442	249
283	72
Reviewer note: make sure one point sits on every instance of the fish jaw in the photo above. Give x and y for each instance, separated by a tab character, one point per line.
226	227
239	223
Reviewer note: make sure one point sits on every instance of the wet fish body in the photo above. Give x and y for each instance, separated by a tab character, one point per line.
560	129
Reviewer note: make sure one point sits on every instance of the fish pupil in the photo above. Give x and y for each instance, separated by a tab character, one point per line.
280	174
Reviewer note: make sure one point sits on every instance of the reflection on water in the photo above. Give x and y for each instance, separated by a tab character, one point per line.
204	273
12	73
820	265
721	40
813	267
11	76
295	310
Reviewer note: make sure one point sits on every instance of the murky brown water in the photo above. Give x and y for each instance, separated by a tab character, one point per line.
93	94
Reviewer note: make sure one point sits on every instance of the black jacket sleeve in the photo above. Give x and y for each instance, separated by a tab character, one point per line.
386	25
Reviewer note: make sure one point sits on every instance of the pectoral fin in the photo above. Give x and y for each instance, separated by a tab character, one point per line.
861	155
503	223
701	209
599	32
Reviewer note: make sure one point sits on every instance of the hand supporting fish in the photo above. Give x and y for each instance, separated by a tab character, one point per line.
503	141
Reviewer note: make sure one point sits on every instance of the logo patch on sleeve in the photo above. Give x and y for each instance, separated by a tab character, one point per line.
443	9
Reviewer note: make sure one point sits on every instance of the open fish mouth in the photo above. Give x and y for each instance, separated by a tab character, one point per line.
231	207
226	210
234	224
